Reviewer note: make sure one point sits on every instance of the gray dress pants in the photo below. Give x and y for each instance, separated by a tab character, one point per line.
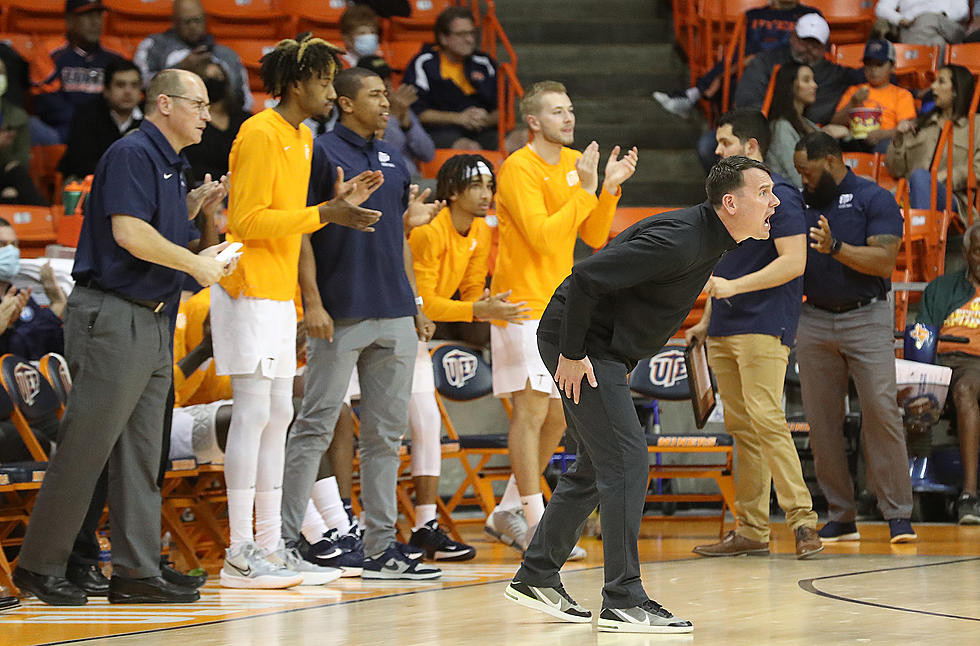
610	471
120	360
384	352
829	347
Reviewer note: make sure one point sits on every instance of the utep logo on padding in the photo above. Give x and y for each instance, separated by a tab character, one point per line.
64	375
459	367
667	368
28	382
920	334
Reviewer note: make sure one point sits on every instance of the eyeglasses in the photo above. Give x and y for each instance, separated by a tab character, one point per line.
201	106
469	32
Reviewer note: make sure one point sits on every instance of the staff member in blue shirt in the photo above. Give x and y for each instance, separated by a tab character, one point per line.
131	253
360	309
846	329
756	294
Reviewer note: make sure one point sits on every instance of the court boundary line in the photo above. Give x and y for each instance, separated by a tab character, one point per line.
808	585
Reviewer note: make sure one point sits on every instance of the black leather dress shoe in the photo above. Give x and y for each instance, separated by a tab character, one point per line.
170	573
89	578
52	590
6	603
150	590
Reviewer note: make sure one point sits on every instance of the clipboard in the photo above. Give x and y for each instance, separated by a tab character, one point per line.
699	381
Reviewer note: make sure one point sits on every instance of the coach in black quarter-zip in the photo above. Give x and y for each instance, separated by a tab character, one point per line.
617	307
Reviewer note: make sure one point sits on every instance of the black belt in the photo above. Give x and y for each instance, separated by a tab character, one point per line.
840	308
154	306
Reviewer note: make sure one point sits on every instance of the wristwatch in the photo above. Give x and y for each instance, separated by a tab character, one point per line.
418	301
835	246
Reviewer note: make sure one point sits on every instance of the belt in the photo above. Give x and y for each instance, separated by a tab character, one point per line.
840	308
154	306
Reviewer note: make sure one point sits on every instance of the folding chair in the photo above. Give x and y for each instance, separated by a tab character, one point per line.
138	18
246	19
32	397
664	377
54	367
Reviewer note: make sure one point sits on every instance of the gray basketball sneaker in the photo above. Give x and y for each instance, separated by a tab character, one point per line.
289	558
248	567
648	617
552	601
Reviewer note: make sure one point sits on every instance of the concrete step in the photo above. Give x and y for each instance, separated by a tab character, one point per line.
599	31
588	84
621	60
672	177
582	10
632	121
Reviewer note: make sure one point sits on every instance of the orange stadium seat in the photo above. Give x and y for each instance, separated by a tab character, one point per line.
627	216
430	168
399	53
716	19
44	170
36	16
246	19
23	44
863	164
420	23
251	52
118	44
138	18
320	17
849	20
34	226
965	54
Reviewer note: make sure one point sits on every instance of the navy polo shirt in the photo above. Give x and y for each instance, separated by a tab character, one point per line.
863	209
774	311
140	175
361	274
35	333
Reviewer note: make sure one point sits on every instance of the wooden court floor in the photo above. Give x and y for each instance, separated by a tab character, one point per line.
855	593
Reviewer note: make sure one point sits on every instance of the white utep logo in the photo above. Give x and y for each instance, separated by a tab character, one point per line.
28	382
667	368
459	367
845	201
64	375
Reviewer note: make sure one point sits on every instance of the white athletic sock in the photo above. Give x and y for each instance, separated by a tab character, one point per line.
326	497
424	514
512	496
693	94
533	506
240	516
313	525
268	519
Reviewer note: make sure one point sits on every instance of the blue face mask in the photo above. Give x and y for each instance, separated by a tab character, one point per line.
9	262
365	44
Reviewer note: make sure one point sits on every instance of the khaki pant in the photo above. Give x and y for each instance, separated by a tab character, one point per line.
750	369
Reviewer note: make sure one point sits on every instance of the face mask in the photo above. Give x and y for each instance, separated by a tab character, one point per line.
824	194
3	84
9	262
217	89
366	44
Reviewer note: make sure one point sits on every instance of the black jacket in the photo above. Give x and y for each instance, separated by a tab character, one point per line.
92	131
628	299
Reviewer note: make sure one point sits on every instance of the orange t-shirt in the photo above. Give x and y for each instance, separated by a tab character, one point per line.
963	321
882	110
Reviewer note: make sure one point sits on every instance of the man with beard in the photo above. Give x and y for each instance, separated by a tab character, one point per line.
846	330
616	307
546	200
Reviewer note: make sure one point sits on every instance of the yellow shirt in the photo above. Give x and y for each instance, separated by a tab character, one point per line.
267	212
541	209
204	385
963	321
454	72
446	261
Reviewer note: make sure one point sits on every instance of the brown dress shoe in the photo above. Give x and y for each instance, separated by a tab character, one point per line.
808	542
733	545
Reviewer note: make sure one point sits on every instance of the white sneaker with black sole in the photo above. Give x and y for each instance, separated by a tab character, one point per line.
551	601
649	617
247	567
289	558
508	526
393	563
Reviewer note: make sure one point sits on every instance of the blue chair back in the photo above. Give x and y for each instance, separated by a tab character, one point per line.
664	376
461	373
920	343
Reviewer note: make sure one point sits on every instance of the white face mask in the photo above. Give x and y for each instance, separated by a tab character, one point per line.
9	261
3	84
365	44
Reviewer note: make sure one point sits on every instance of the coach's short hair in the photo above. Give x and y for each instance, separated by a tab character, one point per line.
748	124
531	101
169	82
819	145
726	176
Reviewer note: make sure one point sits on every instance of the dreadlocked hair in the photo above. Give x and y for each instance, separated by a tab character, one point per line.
297	60
455	174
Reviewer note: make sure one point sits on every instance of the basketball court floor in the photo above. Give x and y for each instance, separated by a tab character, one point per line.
853	593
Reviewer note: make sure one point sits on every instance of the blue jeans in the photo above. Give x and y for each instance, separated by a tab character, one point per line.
919	191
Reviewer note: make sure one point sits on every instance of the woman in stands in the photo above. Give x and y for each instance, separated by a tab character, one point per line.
795	89
912	148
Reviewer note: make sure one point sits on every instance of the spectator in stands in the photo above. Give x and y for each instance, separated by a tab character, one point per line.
103	120
16	185
403	131
766	28
794	90
872	110
359	312
912	148
227	116
923	22
950	305
846	331
360	32
70	75
187	42
18	75
457	85
27	329
750	325
539	222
